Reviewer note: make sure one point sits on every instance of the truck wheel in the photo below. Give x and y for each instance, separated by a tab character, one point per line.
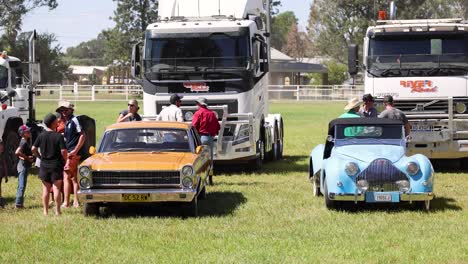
11	144
280	141
91	209
261	153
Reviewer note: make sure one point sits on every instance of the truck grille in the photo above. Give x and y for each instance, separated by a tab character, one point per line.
382	176
132	178
439	106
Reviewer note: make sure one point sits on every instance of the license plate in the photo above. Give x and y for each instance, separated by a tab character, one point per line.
136	197
380	197
421	127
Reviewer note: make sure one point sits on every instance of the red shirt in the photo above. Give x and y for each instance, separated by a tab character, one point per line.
205	122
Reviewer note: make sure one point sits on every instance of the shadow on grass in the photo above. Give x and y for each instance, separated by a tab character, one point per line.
216	204
286	165
438	204
450	166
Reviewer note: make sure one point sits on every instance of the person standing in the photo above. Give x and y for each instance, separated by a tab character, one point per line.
368	109
53	156
75	139
173	111
130	114
391	112
26	159
352	108
207	125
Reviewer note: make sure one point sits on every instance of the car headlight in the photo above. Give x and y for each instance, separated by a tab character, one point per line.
460	108
189	115
412	168
187	171
84	171
351	169
85	183
362	185
187	182
403	185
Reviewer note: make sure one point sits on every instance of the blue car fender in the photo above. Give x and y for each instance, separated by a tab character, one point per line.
423	181
316	160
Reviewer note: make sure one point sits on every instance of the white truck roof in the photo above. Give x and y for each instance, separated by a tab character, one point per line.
207	8
420	25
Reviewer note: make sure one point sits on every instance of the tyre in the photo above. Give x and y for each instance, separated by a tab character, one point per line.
91	209
11	144
260	154
330	204
202	194
280	141
191	208
315	186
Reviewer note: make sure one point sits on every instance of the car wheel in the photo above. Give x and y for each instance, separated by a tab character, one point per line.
330	204
12	143
423	205
202	194
315	187
191	209
91	209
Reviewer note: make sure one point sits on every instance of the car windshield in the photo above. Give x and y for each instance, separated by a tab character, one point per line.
145	140
424	55
368	134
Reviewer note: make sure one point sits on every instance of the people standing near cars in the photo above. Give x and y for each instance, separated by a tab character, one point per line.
352	108
368	109
74	139
26	159
131	113
53	156
173	111
391	112
207	125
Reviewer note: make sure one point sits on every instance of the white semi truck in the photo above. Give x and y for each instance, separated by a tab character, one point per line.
423	64
217	49
16	98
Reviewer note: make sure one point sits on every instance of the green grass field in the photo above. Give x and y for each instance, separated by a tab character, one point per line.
268	217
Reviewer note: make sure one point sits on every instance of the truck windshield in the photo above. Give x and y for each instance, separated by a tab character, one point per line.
418	55
216	52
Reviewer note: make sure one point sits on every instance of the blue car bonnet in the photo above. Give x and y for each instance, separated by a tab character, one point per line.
368	153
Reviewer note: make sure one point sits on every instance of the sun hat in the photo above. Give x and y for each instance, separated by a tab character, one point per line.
65	104
202	101
352	103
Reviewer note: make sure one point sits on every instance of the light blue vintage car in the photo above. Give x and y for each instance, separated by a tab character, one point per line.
363	160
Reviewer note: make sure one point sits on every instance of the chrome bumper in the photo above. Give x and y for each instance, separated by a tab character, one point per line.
117	195
406	197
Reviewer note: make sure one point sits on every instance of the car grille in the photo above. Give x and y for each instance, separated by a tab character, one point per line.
382	176
135	178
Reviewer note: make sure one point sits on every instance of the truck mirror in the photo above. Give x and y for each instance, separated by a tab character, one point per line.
353	59
136	60
264	67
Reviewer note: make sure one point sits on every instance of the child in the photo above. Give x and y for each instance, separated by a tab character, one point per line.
26	159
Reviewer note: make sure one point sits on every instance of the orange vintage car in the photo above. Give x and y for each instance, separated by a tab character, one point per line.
145	162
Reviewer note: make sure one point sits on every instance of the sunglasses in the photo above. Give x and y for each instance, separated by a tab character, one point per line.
131	105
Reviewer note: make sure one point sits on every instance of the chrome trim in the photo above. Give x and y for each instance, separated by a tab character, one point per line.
347	197
405	197
416	196
156	195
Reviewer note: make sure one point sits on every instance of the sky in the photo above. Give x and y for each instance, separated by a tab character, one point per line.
76	21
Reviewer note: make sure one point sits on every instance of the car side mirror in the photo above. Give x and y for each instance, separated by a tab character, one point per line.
330	138
92	150
199	149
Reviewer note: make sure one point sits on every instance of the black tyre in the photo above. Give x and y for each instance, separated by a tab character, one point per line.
260	154
280	141
91	209
11	144
191	208
202	194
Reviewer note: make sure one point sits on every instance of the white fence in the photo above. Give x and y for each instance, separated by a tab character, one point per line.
51	92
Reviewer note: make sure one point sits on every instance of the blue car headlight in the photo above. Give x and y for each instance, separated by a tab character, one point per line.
412	168
351	168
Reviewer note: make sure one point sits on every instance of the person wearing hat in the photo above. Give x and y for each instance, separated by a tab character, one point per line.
74	139
206	123
391	112
26	159
368	109
352	108
173	111
53	155
130	114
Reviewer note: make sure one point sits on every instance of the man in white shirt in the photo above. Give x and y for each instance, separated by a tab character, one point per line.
172	112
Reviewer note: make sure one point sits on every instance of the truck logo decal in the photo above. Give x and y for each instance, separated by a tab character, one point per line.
197	87
419	86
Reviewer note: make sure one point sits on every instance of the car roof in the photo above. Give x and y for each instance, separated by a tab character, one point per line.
364	121
149	124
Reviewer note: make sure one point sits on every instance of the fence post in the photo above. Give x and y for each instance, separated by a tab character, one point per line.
297	93
126	92
60	93
93	89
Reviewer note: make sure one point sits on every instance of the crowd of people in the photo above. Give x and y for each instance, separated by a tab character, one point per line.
57	151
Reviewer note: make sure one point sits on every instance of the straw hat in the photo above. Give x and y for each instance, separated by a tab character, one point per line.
352	103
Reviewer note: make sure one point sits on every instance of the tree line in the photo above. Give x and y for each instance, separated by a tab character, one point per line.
332	26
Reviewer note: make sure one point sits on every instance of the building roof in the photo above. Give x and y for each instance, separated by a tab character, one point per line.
281	63
85	70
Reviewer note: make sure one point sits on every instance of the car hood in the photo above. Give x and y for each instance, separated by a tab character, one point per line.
139	161
368	153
